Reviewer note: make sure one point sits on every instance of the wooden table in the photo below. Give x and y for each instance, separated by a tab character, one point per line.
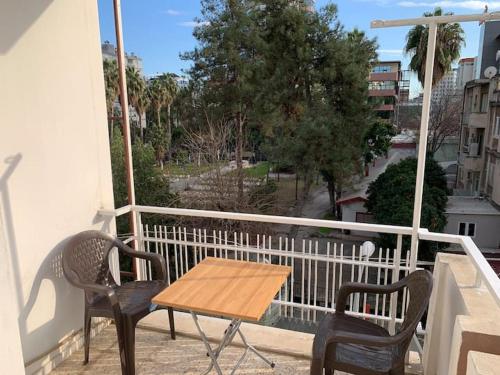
233	289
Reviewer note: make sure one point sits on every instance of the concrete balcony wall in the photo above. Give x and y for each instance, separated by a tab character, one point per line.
478	120
462	319
473	163
391	76
385	107
55	169
382	93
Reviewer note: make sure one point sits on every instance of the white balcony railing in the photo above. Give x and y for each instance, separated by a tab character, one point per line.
319	265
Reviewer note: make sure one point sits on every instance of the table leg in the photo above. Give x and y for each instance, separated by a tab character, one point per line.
210	352
232	329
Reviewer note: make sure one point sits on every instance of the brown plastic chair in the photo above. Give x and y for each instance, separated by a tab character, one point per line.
86	265
356	346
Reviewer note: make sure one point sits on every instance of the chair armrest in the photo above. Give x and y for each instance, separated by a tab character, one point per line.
156	259
95	288
348	288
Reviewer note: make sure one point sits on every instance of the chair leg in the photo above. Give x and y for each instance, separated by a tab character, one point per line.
120	333
129	332
399	369
171	322
87	324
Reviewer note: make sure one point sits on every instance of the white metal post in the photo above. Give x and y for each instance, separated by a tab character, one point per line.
422	146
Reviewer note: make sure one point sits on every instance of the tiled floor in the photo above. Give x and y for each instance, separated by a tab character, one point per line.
157	354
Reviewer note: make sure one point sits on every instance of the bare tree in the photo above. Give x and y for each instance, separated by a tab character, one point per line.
444	120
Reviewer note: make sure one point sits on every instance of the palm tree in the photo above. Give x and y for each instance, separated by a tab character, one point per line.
142	106
449	41
136	90
162	90
112	88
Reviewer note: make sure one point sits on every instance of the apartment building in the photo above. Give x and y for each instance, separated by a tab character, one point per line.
383	88
471	160
108	51
478	176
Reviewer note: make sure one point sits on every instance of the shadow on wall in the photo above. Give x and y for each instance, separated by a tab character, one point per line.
16	16
49	274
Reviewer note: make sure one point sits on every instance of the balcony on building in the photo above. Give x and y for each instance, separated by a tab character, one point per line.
56	181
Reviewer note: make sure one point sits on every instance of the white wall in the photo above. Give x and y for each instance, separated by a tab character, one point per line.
487	233
55	170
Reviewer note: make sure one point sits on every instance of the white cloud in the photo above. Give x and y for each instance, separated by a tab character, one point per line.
193	23
470	4
390	51
173	12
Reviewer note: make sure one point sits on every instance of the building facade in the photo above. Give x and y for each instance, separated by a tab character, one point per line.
383	88
465	72
108	51
471	160
446	86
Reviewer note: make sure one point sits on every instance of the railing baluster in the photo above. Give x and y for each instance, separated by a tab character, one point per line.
303	280
292	284
353	257
386	280
181	257
247	247
377	296
309	277
148	250
286	283
167	257
279	260
327	264
186	251
195	247
205	241
315	279
334	273
341	265
176	263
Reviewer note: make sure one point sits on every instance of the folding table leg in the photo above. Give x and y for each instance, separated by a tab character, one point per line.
210	352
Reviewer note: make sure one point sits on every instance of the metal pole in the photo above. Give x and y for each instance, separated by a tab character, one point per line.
120	54
422	147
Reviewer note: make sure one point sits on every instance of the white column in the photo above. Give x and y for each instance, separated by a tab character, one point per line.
422	147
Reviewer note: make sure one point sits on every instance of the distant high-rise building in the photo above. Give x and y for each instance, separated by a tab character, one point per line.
446	86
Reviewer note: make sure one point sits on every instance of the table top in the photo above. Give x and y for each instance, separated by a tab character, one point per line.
231	288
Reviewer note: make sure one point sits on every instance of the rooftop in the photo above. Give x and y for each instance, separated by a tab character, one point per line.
470	206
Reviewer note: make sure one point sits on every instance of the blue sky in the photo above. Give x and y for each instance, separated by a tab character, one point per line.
158	30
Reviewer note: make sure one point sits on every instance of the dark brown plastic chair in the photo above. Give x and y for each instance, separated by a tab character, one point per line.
86	265
356	346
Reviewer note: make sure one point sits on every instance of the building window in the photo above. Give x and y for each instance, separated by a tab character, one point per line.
381	69
467	229
496	131
484	102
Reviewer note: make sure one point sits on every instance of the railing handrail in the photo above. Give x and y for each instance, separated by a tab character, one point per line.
271	219
486	273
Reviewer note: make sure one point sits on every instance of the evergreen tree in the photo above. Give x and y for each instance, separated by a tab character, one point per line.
391	197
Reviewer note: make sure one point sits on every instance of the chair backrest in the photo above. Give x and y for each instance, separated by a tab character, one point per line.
419	284
86	258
